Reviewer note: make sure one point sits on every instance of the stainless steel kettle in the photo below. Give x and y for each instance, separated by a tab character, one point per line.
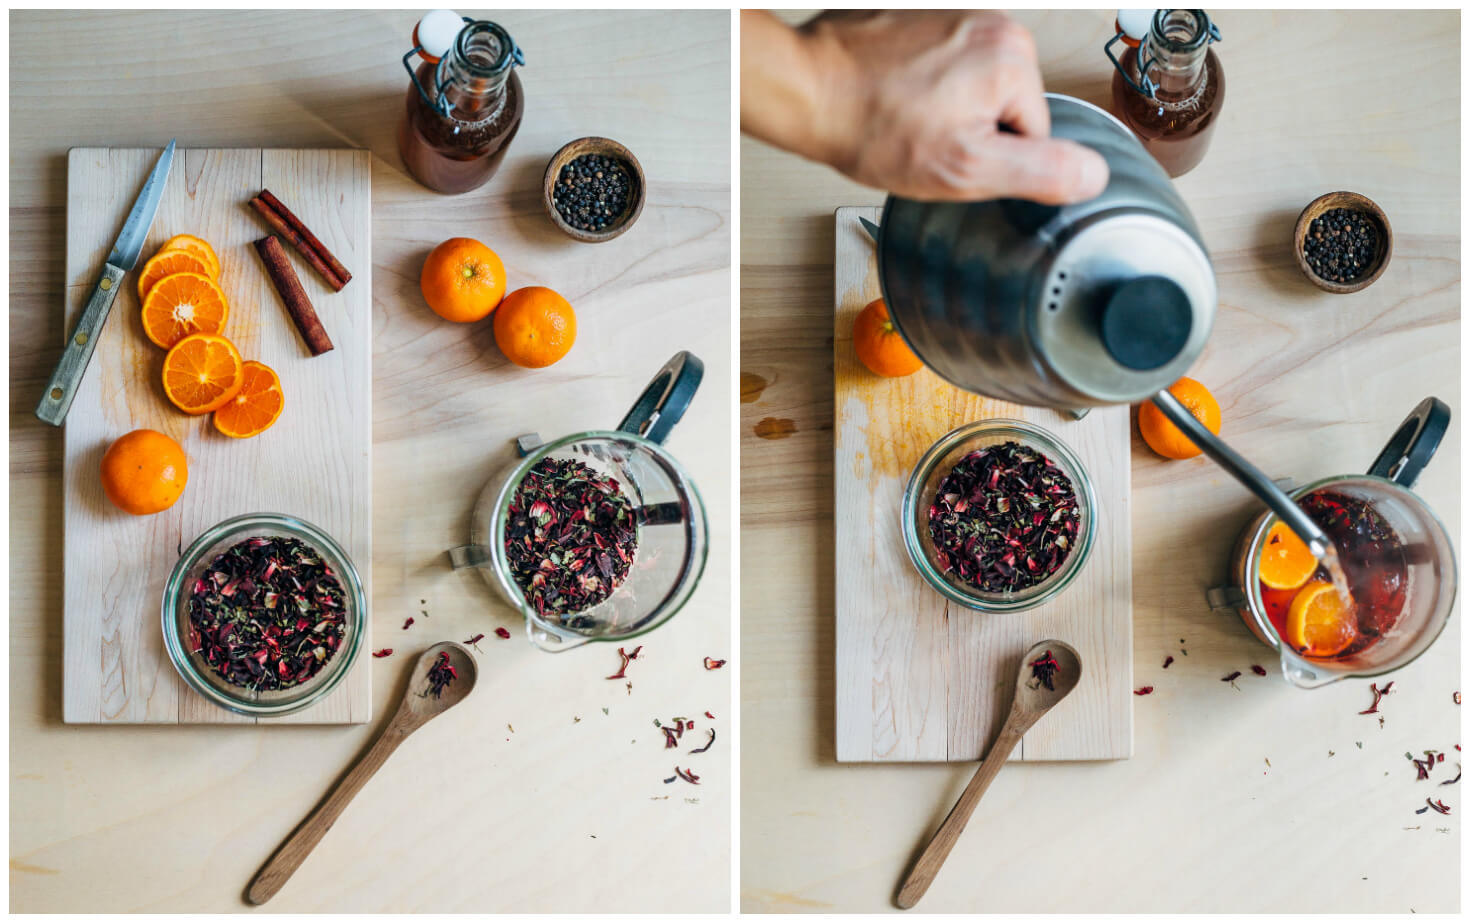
1103	302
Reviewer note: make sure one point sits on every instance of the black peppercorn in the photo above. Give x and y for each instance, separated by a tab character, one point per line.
1340	245
598	196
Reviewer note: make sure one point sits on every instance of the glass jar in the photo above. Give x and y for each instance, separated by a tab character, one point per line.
200	676
462	109
923	486
1169	86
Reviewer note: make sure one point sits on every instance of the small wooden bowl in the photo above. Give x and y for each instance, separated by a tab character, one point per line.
607	148
1359	203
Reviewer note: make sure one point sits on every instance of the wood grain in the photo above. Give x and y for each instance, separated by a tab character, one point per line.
920	678
149	818
117	669
1310	385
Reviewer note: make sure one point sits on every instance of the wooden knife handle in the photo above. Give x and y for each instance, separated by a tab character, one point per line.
67	377
288	858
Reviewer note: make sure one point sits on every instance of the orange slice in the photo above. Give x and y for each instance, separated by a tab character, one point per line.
197	246
166	263
182	304
202	372
1286	561
255	406
1320	624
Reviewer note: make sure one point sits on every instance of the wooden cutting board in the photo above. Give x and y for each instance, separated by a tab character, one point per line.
314	463
923	679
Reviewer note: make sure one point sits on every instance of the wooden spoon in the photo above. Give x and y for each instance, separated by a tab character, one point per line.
416	710
1032	701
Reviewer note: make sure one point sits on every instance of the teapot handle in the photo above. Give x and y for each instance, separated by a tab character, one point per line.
663	402
1413	444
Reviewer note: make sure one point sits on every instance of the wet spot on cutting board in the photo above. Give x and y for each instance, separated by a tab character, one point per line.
775	428
751	387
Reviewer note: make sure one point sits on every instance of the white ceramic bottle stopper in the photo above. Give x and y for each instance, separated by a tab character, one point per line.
436	32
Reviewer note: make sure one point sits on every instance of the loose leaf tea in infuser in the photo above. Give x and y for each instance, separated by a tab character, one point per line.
1004	519
571	537
267	614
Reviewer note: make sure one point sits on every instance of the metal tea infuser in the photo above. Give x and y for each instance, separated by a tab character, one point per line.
673	534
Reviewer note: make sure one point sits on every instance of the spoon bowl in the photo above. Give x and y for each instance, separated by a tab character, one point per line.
423	705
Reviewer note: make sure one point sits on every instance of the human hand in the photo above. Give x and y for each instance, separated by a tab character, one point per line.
944	105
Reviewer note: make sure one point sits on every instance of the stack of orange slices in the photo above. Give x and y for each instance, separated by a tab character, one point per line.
184	310
1319	622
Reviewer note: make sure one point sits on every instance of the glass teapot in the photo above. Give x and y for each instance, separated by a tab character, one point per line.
672	534
1416	593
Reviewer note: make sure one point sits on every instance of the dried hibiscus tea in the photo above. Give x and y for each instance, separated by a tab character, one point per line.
570	538
1004	519
267	613
441	674
502	633
1043	671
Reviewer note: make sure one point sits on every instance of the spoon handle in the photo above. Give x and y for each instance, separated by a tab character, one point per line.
288	858
921	876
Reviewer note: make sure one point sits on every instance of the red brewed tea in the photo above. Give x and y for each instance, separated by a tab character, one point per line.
1373	561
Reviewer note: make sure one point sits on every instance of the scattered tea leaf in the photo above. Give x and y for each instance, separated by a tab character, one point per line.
1168	660
1378	695
385	652
407	622
1144	690
502	633
627	659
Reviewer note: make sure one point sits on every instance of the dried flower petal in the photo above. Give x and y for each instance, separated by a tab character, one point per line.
570	538
1378	695
1144	690
1168	660
502	633
385	652
1004	518
1258	669
627	659
712	664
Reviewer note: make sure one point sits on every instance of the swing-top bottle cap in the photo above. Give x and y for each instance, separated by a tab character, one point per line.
436	32
1133	25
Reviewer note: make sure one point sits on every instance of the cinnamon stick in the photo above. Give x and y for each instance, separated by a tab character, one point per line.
285	223
288	286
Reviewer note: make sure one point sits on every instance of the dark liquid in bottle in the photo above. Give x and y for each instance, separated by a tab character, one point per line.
461	153
1177	126
1373	559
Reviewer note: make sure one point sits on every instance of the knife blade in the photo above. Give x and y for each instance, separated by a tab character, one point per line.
67	377
871	228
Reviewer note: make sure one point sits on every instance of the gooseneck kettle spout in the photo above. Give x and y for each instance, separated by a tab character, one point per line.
1243	471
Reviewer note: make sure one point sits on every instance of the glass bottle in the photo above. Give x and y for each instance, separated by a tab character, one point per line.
1173	100
463	109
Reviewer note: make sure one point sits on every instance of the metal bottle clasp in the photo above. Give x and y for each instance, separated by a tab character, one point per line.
442	105
1145	84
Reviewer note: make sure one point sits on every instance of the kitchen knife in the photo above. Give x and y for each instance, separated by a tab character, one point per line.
78	353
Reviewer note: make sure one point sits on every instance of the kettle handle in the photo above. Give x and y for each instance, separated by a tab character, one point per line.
663	402
1413	444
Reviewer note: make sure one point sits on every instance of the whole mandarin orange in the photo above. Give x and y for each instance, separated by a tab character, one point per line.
144	472
535	327
463	280
879	345
1169	440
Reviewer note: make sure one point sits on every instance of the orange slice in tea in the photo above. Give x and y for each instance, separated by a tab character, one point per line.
166	263
183	304
255	406
1286	561
197	246
1320	623
202	372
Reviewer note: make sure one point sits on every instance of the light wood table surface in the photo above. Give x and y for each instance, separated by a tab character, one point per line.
567	811
1311	385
